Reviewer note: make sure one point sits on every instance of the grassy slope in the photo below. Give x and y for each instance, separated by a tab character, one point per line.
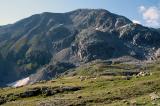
102	90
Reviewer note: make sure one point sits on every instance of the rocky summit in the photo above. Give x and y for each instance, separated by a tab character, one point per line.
45	45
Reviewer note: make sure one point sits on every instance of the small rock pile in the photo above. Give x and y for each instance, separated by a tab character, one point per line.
142	74
154	96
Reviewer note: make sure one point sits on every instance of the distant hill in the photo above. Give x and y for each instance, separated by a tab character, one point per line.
37	43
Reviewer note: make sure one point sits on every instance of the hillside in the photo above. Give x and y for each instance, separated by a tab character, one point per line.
93	84
48	44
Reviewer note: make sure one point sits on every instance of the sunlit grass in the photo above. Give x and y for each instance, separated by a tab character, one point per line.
98	90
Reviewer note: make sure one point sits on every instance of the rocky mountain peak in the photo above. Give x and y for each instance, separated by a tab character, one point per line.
75	37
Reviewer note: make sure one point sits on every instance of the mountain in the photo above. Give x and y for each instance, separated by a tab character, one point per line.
158	30
37	45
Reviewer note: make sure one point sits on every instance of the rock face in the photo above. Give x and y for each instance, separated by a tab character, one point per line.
157	54
74	37
38	91
50	71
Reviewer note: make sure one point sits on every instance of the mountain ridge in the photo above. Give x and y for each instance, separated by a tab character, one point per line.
40	41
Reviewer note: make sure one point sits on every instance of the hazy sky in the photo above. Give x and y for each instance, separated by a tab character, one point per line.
146	12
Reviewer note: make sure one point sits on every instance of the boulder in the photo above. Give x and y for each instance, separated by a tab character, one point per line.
154	96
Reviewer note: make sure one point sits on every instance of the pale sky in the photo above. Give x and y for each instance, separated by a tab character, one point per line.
146	12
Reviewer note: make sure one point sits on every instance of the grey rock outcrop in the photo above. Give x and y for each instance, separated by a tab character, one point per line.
33	44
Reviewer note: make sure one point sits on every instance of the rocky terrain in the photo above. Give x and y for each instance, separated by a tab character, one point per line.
45	45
